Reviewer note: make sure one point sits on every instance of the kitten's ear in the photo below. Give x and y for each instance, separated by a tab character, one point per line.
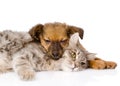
74	39
91	56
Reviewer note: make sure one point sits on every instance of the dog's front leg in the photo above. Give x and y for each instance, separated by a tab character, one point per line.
23	68
98	63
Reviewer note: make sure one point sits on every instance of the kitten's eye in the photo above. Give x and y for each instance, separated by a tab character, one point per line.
47	40
73	54
82	63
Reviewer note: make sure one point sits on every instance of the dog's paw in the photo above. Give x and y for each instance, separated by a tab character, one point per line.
110	65
26	74
101	64
97	64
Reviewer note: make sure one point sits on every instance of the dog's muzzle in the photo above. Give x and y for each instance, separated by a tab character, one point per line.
56	50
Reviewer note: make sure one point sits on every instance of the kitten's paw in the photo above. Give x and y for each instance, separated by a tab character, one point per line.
4	69
27	74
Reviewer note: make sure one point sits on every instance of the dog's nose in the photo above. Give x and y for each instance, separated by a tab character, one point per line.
55	55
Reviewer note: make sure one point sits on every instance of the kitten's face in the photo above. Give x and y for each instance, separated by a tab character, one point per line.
78	59
75	60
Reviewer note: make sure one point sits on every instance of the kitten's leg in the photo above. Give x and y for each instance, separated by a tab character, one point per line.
67	66
67	69
5	65
23	68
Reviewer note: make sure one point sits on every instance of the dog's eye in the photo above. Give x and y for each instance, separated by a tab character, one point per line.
47	41
63	41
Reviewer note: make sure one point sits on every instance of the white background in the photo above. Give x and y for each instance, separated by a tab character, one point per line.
100	20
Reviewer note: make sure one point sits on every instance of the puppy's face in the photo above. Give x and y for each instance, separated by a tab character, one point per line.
54	37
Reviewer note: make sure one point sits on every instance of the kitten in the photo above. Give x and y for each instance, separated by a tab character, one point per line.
32	58
74	58
18	53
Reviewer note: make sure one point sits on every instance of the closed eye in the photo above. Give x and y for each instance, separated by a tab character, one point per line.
47	40
64	41
82	63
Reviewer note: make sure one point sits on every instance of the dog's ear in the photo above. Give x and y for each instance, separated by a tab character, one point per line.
36	31
73	29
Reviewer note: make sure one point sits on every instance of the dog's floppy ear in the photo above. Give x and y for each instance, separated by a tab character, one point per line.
36	31
73	29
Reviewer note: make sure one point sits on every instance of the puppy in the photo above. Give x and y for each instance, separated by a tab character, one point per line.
54	38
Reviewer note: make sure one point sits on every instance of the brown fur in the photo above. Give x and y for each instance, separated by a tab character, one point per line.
54	37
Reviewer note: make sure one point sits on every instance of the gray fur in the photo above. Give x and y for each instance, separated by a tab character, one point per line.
20	54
